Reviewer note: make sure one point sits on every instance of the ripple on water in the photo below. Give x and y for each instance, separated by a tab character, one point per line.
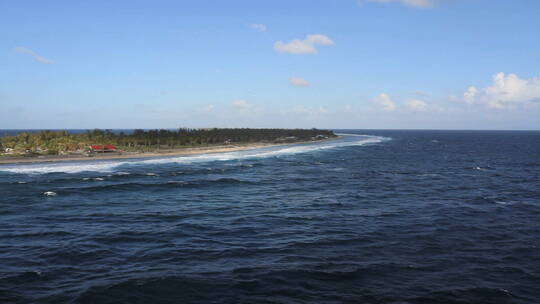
358	220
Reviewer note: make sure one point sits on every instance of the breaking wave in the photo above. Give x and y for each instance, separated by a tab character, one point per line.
111	165
349	220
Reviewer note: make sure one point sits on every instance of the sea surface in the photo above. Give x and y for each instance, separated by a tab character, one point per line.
372	217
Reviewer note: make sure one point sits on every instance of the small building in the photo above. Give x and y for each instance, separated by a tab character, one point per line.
103	149
319	137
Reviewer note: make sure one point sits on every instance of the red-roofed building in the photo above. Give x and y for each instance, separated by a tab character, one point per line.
100	148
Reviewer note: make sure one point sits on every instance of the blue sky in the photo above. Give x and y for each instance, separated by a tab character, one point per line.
390	64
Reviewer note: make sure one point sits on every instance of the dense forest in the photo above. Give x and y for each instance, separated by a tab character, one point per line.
61	142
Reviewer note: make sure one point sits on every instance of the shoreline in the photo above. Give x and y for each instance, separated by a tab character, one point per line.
163	153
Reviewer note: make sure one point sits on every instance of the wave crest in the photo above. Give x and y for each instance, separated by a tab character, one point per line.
109	166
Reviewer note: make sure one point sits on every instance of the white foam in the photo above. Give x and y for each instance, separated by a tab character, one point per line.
349	134
49	193
108	166
63	167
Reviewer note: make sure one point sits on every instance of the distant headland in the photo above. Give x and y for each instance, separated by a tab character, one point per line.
43	146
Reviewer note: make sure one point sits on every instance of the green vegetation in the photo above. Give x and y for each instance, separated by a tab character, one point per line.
62	142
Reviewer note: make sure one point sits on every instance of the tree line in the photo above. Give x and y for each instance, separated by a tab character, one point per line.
55	142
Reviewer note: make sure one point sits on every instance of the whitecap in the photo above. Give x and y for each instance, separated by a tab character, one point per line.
70	167
336	169
177	182
49	193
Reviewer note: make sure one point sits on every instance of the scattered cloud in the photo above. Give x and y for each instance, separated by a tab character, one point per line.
385	102
298	82
421	93
506	92
416	105
258	27
241	104
470	95
208	108
305	111
305	46
411	3
38	58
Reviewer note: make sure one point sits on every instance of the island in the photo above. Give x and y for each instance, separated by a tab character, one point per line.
42	146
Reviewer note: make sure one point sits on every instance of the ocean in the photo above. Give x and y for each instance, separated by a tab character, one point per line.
372	217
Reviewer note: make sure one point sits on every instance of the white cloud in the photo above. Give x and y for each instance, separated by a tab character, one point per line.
416	105
241	104
412	3
38	58
470	95
385	102
258	27
298	82
306	111
208	108
507	91
305	46
421	93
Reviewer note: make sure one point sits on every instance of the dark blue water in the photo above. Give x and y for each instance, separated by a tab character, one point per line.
393	217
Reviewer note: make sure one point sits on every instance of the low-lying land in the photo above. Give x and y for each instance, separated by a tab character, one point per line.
47	146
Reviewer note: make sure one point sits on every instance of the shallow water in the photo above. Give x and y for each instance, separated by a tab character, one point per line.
373	217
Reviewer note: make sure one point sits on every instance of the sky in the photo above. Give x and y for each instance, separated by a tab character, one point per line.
349	64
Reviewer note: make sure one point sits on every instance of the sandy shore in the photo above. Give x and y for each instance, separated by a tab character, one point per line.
161	153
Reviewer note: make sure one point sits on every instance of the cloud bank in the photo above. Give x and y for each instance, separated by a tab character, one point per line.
506	92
